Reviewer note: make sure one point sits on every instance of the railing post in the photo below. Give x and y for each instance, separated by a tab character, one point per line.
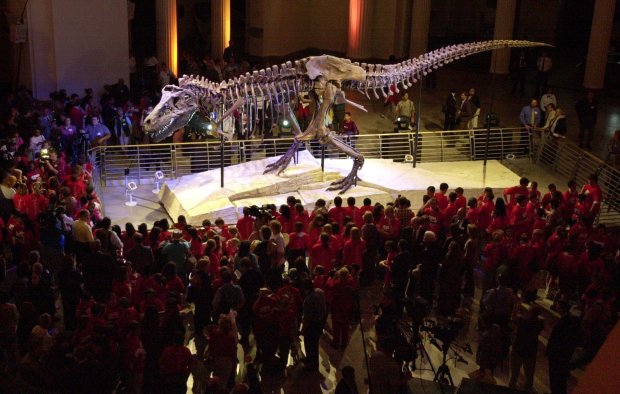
173	162
486	142
102	169
138	158
323	157
222	161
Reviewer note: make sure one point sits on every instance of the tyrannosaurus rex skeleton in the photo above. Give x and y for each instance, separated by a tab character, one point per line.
324	76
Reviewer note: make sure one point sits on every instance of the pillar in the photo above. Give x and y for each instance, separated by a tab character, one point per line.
600	35
166	20
360	24
220	27
421	18
504	26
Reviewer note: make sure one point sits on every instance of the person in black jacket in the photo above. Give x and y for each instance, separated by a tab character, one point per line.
69	284
450	112
587	109
200	293
565	337
251	282
402	265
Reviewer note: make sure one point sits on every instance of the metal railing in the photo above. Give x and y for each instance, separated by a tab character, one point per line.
562	157
178	159
566	159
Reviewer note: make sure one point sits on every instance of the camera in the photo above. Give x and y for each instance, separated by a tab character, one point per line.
261	213
44	155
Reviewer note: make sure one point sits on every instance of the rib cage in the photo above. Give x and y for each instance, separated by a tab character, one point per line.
279	82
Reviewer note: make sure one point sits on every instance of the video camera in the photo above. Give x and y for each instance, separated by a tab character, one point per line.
446	333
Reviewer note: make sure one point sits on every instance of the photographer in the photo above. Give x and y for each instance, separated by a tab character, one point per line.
50	162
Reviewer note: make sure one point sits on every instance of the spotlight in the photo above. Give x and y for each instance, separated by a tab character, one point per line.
129	189
408	159
210	127
285	123
158	177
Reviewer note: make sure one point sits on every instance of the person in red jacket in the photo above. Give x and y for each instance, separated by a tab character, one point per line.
301	215
175	365
485	211
354	248
493	255
549	195
264	326
341	298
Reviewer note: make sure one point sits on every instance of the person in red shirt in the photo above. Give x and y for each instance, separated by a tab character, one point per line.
299	243
322	254
461	201
485	211
570	199
245	224
583	208
512	193
36	202
534	189
595	196
20	199
175	365
493	254
264	326
549	195
366	207
315	228
532	205
301	215
568	270
436	216
221	229
135	357
388	225
441	196
286	219
430	191
519	220
354	248
472	211
451	209
340	297
500	219
337	213
354	212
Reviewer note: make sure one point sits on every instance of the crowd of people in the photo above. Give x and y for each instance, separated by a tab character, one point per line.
93	307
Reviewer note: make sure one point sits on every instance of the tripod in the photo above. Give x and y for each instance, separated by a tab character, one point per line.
443	372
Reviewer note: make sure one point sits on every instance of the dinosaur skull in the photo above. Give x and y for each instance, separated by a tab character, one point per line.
174	111
334	69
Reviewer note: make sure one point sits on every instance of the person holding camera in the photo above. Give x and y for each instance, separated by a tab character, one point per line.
97	132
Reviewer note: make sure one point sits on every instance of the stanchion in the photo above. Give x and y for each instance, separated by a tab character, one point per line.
416	139
222	162
486	142
323	158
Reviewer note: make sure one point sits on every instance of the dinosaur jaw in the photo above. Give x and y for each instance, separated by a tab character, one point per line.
163	127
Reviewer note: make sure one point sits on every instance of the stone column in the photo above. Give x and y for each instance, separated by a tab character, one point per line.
420	21
166	19
220	27
504	26
600	35
360	24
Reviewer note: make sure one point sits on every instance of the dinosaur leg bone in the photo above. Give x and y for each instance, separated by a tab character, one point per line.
350	180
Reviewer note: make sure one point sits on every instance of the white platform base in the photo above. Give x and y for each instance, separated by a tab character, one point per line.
199	196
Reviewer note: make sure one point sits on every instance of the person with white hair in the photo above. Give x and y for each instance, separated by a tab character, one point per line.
430	257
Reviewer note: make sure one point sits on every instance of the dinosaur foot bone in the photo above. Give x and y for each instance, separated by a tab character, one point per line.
282	163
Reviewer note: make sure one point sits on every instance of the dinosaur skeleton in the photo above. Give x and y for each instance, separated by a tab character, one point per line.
197	98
